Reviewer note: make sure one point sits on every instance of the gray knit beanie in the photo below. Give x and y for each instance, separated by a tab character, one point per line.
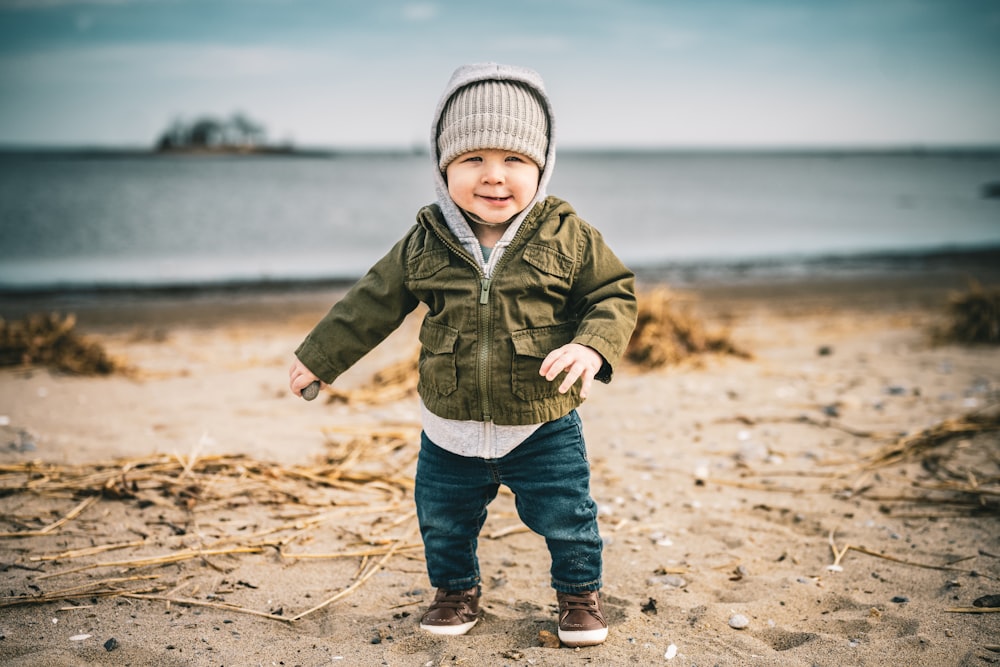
506	115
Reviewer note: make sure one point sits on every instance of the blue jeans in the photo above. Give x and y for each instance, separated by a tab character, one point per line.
550	478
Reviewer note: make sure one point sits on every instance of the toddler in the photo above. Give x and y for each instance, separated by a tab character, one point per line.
526	307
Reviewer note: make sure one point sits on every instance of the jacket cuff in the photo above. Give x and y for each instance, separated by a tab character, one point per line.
603	348
605	373
312	357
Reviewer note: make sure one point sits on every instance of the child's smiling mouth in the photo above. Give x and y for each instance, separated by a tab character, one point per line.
496	200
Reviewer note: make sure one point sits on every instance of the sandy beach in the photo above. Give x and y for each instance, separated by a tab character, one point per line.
790	508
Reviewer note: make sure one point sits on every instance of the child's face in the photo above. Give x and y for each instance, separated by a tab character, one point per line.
495	185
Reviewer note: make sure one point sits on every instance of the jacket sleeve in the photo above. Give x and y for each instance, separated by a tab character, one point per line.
604	296
371	310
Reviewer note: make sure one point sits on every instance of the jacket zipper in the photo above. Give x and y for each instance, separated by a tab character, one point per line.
485	329
485	334
484	319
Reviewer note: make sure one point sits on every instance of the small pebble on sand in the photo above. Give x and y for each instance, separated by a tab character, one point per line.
738	621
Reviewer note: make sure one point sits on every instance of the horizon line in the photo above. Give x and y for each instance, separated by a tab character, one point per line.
305	149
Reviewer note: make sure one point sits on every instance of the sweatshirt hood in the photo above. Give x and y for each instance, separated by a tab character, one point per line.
457	222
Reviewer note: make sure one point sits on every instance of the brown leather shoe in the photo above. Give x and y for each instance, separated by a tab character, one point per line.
452	612
581	619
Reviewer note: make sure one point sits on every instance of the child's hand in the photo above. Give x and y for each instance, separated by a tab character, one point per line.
579	362
300	377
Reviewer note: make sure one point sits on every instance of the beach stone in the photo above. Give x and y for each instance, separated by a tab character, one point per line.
987	601
668	581
111	644
548	640
900	599
738	621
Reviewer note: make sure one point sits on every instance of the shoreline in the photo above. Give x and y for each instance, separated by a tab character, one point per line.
858	281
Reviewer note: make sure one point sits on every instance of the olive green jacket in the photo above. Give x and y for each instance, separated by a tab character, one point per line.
483	340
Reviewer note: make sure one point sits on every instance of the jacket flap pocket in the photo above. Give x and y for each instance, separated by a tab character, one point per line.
539	342
548	260
438	338
428	263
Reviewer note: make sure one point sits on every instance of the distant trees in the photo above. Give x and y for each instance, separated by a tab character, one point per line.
238	132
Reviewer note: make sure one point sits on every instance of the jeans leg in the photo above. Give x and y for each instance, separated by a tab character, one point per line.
451	494
550	477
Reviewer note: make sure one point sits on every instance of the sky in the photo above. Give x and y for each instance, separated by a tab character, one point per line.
620	73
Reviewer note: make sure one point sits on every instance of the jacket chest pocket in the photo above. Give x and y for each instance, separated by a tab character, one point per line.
549	261
438	362
426	271
531	346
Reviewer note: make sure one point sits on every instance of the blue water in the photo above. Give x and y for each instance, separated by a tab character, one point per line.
86	220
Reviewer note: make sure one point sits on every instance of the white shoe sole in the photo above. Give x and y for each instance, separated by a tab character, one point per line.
578	638
451	630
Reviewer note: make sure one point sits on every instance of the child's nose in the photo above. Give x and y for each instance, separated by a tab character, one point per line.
494	173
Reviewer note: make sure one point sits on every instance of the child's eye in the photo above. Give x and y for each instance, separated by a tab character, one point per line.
514	158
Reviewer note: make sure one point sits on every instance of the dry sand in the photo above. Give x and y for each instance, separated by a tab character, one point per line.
727	488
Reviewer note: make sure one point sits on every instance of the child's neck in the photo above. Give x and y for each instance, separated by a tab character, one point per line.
487	233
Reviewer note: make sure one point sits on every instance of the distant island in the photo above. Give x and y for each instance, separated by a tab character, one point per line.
237	134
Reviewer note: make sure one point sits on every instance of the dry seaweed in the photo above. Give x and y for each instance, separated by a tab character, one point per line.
973	317
187	506
667	333
956	472
913	446
356	464
52	341
394	382
839	553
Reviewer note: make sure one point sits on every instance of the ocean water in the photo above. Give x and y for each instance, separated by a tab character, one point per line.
91	220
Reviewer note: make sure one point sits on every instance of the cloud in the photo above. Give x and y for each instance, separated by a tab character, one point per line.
84	22
420	11
155	62
50	4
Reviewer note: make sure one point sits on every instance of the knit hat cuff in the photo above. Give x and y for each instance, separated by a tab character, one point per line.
493	114
480	132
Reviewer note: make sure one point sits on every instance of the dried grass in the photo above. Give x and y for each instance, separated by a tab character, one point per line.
973	317
921	445
365	472
394	382
953	469
51	340
950	470
668	333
